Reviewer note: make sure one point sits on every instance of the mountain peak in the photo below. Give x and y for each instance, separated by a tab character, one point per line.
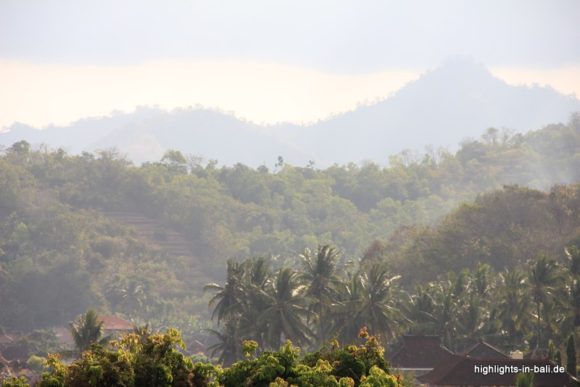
459	70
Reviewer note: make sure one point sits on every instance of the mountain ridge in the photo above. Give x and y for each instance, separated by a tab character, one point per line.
443	107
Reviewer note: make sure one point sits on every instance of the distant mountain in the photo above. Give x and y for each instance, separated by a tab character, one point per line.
456	101
208	133
145	135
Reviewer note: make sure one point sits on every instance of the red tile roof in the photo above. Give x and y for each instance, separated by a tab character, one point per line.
460	371
484	350
420	352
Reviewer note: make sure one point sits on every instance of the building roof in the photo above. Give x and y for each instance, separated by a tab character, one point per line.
460	371
115	323
419	352
484	350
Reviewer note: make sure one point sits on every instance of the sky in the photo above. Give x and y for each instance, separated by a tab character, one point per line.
263	60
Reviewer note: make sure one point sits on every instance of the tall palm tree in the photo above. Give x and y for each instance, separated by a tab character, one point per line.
239	303
513	305
322	282
256	279
285	312
258	271
227	302
346	319
543	280
482	283
447	307
87	330
575	302
573	254
378	308
474	306
420	309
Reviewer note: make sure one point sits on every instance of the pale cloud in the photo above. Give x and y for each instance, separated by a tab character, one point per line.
261	92
566	80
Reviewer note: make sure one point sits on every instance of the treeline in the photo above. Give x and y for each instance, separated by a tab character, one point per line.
144	358
240	211
535	305
60	253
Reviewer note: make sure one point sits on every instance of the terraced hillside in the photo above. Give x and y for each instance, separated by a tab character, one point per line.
169	241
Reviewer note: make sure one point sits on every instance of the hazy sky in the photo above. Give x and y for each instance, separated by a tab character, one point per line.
265	60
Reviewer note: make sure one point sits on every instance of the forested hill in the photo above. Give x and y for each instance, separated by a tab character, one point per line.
504	229
444	106
104	227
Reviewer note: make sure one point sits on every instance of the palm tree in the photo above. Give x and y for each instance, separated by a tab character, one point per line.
447	307
420	309
575	302
284	313
346	317
87	330
228	345
321	281
513	305
543	280
258	271
134	297
471	323
227	302
378	309
481	279
474	304
573	254
240	301
256	279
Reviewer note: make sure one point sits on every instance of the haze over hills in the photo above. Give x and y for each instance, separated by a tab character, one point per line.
458	100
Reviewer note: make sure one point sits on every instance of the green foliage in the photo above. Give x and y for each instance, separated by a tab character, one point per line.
379	378
355	362
503	229
157	360
137	359
147	359
64	248
249	348
525	380
56	374
100	367
15	382
515	309
87	330
571	364
349	366
36	363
